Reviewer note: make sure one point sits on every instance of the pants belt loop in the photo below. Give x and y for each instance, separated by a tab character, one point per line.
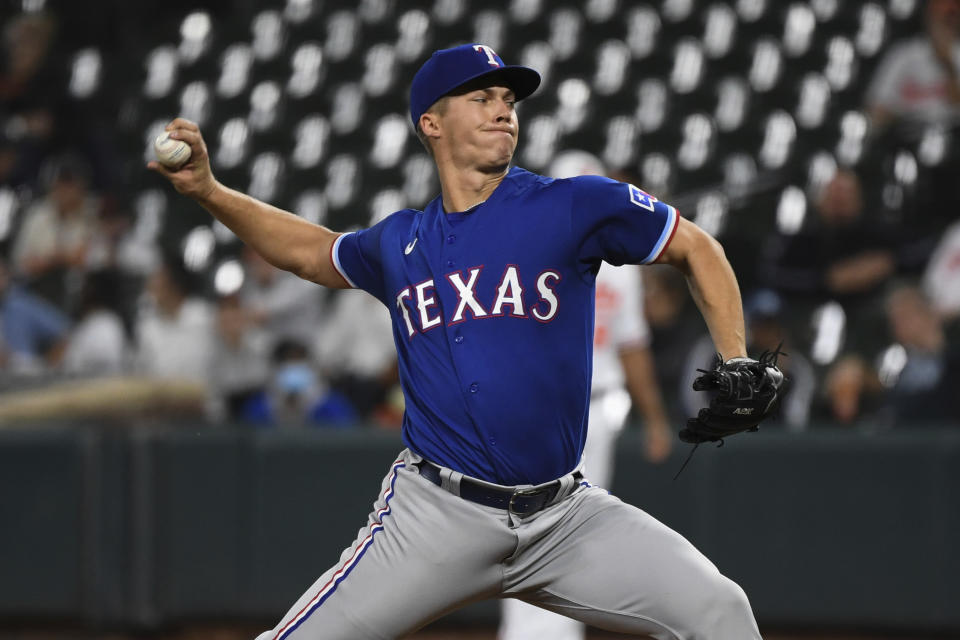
566	486
450	480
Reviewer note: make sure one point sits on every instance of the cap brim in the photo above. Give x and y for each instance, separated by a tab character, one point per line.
523	80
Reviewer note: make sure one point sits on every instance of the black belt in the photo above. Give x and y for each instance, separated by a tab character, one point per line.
522	502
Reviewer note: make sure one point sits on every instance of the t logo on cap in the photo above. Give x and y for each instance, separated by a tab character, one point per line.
492	57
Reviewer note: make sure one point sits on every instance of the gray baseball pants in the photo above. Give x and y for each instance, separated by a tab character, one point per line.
426	551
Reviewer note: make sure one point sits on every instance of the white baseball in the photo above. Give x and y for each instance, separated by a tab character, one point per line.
171	153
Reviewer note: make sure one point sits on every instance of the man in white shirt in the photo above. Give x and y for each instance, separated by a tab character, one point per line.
919	79
175	330
622	369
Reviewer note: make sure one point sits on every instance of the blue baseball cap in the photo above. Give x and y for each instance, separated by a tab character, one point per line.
448	69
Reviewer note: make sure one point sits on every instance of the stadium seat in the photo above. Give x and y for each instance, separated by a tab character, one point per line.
691	97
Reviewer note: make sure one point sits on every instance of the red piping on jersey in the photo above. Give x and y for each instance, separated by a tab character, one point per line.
670	239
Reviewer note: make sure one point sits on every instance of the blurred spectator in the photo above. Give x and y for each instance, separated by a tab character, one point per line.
28	89
840	255
50	249
98	342
914	381
241	366
298	395
34	332
123	241
356	351
112	224
174	332
914	103
116	244
674	327
764	312
917	81
286	306
851	390
941	280
925	388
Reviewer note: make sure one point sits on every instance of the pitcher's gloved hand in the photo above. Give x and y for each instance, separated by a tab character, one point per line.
747	391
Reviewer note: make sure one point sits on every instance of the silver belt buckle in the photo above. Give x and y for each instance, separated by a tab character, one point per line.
524	492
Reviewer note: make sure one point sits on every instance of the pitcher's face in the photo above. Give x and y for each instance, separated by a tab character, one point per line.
480	127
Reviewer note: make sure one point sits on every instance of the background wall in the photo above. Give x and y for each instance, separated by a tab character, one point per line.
154	527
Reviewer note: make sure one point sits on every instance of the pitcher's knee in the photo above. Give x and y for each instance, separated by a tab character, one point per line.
724	613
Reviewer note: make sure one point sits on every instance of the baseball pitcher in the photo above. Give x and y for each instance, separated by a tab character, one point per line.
491	290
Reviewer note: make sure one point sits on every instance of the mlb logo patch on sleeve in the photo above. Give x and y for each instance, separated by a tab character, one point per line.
640	198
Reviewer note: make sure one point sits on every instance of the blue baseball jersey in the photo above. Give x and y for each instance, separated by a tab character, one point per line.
493	312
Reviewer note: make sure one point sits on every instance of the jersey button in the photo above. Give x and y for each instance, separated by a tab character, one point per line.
493	441
474	387
458	339
451	239
450	264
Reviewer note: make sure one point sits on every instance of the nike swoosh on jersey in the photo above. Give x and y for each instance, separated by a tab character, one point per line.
410	247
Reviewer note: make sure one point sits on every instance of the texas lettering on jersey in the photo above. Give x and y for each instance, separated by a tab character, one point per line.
493	311
420	310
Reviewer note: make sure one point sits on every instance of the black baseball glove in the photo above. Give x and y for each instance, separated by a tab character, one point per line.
745	392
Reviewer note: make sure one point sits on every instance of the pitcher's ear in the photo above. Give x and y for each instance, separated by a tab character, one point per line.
430	124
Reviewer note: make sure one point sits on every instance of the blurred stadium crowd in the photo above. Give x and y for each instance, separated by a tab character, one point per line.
817	139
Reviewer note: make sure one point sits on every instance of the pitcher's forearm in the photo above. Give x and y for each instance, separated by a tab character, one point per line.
285	240
712	283
716	292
